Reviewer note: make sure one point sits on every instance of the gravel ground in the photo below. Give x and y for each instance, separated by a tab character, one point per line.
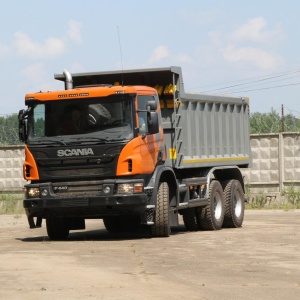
261	260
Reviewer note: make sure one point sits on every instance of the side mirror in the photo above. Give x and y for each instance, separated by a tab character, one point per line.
153	126
22	126
151	105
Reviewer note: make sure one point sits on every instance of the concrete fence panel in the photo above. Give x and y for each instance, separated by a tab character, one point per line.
11	162
275	163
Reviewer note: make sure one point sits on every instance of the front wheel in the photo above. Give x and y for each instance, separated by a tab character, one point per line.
161	227
122	224
112	224
57	228
211	216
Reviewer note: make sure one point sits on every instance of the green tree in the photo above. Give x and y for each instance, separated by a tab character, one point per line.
9	130
291	123
272	123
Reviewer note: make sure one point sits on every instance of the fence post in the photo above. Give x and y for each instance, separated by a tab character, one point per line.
280	161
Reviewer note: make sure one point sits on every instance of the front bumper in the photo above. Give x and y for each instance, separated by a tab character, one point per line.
84	205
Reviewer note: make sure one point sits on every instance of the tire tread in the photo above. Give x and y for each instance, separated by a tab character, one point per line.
161	227
230	220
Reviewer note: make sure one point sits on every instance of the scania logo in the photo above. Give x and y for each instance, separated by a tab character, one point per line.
75	152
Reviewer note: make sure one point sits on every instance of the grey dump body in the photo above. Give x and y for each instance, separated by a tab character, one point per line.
200	130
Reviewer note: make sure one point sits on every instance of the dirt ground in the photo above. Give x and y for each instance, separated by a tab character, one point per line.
261	260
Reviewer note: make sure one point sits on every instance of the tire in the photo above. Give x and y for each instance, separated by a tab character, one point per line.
112	224
211	216
161	227
234	204
122	224
57	229
190	219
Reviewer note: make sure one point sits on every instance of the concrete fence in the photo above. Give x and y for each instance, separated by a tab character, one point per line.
275	167
11	162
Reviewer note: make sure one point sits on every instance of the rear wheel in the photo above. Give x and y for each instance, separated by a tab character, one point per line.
161	227
57	228
211	216
234	204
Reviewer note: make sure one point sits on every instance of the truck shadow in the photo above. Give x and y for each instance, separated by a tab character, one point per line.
102	235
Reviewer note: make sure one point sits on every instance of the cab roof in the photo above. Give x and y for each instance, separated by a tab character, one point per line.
88	92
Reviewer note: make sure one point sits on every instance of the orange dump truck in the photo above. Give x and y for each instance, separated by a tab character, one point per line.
132	148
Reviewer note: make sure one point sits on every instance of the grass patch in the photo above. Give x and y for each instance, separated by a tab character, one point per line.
9	197
11	204
255	201
293	195
290	199
257	204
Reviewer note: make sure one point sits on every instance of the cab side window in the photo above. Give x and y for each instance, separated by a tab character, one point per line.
142	115
39	120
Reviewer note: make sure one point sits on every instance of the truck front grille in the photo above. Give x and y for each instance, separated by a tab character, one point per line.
73	189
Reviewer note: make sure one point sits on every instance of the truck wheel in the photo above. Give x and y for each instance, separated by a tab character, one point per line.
190	219
161	227
112	224
234	204
57	229
122	224
211	216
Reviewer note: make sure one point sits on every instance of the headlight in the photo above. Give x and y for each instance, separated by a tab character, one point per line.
125	188
33	192
130	188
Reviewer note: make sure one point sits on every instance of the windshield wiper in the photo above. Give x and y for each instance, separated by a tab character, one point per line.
94	140
48	142
75	141
87	140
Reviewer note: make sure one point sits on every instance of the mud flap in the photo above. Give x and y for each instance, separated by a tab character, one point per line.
36	224
173	217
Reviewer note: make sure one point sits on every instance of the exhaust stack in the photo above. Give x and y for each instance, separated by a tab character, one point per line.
68	80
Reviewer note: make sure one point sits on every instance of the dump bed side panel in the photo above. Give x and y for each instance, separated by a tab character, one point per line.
206	133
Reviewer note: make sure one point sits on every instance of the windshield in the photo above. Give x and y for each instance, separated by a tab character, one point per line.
78	121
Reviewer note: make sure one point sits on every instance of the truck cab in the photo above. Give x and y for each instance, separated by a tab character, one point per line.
89	152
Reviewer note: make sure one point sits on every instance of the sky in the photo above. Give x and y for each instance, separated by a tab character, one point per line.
234	47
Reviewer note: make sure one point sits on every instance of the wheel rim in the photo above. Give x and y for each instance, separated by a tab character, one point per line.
237	202
217	206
